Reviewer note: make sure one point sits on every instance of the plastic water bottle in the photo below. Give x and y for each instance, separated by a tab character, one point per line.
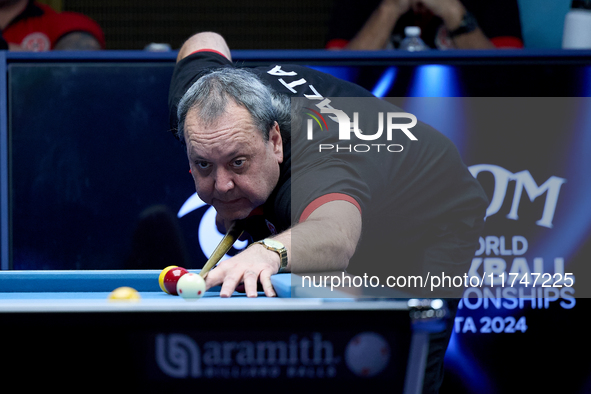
157	47
412	41
577	26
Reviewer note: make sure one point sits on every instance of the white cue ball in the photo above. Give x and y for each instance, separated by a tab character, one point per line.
191	286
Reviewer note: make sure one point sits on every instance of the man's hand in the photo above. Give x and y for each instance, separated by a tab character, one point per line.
375	33
401	6
450	11
253	265
325	241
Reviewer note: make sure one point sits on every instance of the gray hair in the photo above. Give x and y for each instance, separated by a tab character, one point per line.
209	96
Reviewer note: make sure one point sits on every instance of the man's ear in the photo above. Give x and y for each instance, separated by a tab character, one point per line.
276	141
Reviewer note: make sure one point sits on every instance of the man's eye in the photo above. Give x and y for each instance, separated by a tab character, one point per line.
238	163
203	165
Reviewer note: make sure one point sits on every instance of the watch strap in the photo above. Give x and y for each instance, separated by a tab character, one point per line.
282	252
467	25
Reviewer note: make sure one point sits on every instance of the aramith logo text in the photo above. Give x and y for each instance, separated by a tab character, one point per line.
350	130
180	356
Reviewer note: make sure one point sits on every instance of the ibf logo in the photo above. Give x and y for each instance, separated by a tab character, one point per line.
349	130
523	181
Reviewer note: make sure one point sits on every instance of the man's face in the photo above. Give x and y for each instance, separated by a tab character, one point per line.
234	169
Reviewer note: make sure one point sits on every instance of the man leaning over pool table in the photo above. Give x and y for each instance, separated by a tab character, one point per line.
418	209
235	123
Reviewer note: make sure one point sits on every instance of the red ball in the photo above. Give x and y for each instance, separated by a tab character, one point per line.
172	277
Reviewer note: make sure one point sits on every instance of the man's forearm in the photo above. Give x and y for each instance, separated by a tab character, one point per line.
452	17
204	40
473	40
326	241
376	32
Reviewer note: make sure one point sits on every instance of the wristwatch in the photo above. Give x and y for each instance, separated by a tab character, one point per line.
467	25
276	247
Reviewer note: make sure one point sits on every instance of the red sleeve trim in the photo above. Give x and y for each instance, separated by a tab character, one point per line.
507	42
337	43
208	50
325	199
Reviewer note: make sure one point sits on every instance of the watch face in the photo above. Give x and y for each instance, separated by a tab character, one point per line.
272	243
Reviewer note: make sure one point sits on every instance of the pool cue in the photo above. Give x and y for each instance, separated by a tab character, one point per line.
233	233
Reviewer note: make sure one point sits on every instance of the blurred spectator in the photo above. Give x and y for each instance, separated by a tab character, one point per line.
445	24
30	26
3	44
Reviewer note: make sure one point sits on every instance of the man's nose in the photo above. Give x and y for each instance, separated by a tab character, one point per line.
224	180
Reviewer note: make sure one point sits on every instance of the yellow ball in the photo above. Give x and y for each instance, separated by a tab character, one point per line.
162	275
124	294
